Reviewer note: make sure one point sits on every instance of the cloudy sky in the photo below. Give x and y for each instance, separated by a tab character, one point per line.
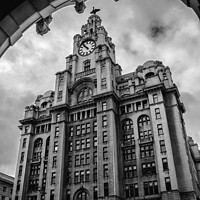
142	30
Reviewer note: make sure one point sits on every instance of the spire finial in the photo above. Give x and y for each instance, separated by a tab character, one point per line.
94	11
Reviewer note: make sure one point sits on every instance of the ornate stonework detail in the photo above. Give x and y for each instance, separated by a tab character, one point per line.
42	26
80	6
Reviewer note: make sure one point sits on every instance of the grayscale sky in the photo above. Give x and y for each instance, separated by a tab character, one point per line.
142	30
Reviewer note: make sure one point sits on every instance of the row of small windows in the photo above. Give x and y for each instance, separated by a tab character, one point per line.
146	150
150	188
82	115
134	107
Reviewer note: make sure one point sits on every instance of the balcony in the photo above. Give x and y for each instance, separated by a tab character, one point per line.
146	140
85	73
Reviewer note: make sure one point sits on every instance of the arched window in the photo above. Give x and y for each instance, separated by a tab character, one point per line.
37	150
85	95
144	127
128	134
127	124
82	195
44	105
150	74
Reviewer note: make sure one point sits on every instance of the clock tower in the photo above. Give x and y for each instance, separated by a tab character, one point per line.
88	89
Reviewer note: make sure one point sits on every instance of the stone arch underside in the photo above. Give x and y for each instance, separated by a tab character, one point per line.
16	16
21	14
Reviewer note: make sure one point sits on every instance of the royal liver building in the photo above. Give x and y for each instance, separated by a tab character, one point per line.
104	135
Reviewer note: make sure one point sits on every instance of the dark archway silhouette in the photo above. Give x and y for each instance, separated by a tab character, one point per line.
16	16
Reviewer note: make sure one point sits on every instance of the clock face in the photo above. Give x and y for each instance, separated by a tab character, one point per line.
87	47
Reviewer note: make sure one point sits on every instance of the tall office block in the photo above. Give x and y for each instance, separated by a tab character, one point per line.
104	135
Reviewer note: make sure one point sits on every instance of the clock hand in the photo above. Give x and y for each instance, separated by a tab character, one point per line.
85	46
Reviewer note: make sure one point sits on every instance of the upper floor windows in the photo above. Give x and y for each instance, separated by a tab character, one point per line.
157	113
37	149
85	95
24	143
58	117
155	98
143	120
127	125
86	65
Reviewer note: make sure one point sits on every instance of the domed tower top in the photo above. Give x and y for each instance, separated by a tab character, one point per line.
93	23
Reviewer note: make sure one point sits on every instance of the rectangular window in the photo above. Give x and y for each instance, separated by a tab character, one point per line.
105	171
104	121
68	194
130	171
71	131
106	189
151	188
146	151
95	126
56	131
122	108
70	146
26	129
35	170
69	179
54	162
168	184
76	160
82	143
95	174
18	185
87	175
57	117
129	154
160	129
95	157
131	190
165	164
87	143
69	161
95	193
52	192
129	108
103	82
55	148
87	158
105	137
83	131
77	145
22	157
78	130
162	146
95	141
155	98
76	177
105	153
145	104
45	168
82	176
20	170
24	143
103	106
82	159
157	112
53	178
88	128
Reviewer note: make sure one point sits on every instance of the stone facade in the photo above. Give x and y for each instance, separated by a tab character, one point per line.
6	186
104	135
